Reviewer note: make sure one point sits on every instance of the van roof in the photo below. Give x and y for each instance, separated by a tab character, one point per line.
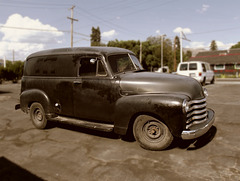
81	50
194	62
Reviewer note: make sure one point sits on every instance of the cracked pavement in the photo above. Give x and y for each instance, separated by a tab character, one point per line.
65	152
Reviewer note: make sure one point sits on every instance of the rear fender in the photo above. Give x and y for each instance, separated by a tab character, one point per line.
28	97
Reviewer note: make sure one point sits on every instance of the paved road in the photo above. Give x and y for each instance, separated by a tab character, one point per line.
69	153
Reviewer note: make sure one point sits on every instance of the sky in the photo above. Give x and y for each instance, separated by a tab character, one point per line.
27	26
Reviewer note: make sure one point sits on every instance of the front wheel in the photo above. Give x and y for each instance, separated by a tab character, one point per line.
151	133
37	115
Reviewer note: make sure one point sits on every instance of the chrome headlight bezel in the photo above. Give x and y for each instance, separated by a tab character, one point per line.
205	92
185	106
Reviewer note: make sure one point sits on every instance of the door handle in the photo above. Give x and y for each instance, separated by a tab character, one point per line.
76	82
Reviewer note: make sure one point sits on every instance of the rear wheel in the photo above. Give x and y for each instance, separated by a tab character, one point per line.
151	133
213	80
204	82
37	115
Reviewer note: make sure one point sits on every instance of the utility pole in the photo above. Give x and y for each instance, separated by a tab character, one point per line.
13	53
182	37
181	34
140	56
72	19
162	36
174	58
4	62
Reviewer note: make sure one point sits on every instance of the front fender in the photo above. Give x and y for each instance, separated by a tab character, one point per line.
27	97
165	107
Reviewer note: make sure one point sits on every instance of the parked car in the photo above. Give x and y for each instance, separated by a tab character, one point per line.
107	89
165	69
200	71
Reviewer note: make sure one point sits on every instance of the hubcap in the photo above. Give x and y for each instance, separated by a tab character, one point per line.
152	129
38	115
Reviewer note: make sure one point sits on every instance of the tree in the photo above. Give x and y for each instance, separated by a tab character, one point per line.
236	46
151	51
187	56
13	70
96	37
213	46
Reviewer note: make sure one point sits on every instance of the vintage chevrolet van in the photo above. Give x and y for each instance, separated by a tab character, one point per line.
107	89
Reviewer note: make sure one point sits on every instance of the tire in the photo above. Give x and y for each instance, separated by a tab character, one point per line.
213	80
204	82
37	115
151	134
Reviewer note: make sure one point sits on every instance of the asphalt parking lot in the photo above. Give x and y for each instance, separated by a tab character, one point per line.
64	152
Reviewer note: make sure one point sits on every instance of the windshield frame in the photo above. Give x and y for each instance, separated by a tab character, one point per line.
133	60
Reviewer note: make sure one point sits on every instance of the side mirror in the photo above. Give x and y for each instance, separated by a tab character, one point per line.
93	61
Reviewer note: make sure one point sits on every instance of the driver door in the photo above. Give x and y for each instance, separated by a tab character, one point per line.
94	94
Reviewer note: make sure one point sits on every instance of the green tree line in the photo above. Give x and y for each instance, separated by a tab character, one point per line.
13	71
151	50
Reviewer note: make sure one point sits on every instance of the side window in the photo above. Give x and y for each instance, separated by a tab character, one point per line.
237	66
208	66
100	69
204	67
192	66
184	67
53	65
219	67
91	68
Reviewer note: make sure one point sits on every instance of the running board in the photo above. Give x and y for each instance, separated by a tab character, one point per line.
85	124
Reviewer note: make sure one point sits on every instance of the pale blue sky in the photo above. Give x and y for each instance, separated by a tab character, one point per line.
201	20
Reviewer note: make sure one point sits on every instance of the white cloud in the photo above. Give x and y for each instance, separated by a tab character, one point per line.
158	32
109	34
236	18
204	8
28	39
196	45
184	30
204	45
223	46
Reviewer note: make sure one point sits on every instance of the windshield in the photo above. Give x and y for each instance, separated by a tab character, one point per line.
123	63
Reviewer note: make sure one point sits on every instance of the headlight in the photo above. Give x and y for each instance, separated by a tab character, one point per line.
205	92
185	106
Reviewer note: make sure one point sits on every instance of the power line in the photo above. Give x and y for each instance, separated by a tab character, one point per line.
34	29
214	31
34	4
38	29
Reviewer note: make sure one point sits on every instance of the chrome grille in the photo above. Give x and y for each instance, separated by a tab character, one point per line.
197	112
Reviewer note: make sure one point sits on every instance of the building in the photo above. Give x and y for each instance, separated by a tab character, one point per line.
223	62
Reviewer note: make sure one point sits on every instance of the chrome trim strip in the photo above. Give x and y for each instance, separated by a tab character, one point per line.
199	117
197	112
200	130
198	106
196	122
198	101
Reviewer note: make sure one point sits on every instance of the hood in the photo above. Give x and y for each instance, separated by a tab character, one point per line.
159	83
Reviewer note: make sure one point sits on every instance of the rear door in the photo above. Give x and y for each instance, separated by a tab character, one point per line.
209	73
183	69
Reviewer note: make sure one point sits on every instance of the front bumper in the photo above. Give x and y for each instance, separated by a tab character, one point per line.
200	129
